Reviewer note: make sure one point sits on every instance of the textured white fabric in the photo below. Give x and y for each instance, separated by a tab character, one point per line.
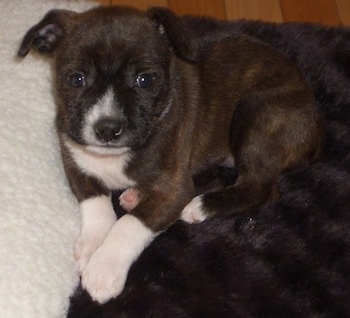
39	221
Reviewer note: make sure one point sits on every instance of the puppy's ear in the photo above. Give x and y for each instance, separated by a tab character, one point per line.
178	33
47	34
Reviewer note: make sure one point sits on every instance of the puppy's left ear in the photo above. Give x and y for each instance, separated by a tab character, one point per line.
48	33
178	33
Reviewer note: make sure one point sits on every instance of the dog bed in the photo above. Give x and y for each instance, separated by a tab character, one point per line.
39	217
291	259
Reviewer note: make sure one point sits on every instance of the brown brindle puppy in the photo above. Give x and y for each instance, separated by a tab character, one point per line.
144	103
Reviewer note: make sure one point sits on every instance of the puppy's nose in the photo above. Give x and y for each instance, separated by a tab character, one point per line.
108	129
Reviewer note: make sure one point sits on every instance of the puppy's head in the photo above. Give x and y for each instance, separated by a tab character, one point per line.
113	74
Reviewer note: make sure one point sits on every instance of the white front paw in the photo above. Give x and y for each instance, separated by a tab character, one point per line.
104	277
193	212
85	247
106	272
98	217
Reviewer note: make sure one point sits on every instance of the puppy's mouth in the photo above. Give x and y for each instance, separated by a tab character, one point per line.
106	148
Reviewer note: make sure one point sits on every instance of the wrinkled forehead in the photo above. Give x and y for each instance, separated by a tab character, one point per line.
114	37
115	27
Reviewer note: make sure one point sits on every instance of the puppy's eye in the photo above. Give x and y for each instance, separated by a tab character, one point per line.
77	80
144	80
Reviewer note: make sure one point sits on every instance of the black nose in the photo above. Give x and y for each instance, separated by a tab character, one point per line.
108	129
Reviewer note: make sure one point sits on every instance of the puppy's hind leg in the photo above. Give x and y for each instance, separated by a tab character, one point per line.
267	138
243	196
129	199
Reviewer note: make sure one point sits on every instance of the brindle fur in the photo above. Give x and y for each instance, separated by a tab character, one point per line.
229	95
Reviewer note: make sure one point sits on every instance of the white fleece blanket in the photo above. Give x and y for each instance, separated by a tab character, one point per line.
39	218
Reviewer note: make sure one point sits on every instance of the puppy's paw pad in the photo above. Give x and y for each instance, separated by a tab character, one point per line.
194	212
129	199
103	278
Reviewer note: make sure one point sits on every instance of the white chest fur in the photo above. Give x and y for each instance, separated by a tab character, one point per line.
108	168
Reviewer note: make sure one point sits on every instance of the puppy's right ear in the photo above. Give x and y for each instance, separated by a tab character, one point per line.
47	34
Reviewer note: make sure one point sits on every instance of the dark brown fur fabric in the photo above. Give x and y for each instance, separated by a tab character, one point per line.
291	259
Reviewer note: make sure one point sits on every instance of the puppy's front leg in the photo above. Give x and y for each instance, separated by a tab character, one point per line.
105	274
96	209
97	218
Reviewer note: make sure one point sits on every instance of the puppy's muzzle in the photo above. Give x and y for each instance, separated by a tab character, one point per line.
108	129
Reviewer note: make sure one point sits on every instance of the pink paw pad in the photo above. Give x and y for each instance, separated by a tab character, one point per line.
129	199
